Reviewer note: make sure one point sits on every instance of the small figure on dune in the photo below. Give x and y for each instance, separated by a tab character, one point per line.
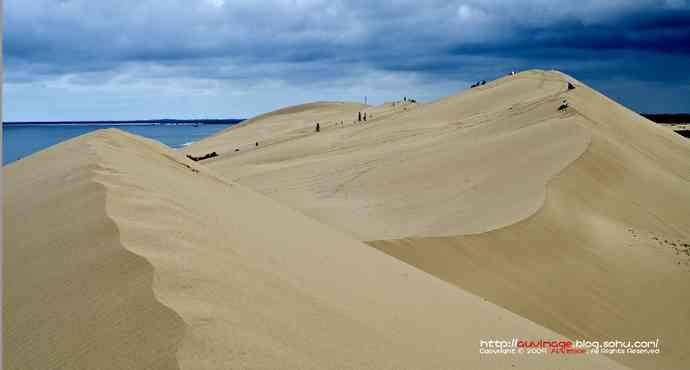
318	127
405	99
257	144
564	105
365	117
571	86
359	117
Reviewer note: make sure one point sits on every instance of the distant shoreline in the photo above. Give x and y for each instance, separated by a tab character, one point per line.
132	122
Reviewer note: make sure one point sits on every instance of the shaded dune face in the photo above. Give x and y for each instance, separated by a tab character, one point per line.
604	258
122	253
74	297
576	219
253	284
591	264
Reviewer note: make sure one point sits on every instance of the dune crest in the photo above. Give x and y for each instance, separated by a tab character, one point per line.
251	283
575	215
74	296
444	168
608	256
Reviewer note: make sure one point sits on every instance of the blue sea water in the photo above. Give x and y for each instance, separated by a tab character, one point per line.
21	140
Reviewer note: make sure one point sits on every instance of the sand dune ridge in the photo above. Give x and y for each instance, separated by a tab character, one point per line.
255	283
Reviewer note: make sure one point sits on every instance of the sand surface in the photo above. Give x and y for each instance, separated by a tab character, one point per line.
122	254
437	169
576	219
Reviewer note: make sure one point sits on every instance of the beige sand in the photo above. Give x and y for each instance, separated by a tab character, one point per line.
446	168
576	219
120	253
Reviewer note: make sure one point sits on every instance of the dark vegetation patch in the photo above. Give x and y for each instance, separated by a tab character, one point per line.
201	158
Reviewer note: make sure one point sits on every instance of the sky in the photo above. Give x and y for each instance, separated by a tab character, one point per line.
122	59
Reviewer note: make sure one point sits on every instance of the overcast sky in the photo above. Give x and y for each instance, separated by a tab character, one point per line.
120	59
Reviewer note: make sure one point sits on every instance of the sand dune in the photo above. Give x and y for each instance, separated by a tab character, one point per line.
73	296
282	125
608	256
577	219
121	253
445	168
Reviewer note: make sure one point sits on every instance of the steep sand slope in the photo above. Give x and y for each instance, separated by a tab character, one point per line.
605	254
242	281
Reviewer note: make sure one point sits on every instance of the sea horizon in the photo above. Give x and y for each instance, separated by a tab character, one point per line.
21	139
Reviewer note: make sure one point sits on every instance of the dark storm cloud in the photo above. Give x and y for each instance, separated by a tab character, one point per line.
657	31
315	43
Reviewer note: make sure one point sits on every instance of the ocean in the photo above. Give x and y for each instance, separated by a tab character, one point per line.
21	140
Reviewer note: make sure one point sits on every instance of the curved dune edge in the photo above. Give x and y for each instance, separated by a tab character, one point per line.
299	296
444	168
260	285
608	215
602	259
74	296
